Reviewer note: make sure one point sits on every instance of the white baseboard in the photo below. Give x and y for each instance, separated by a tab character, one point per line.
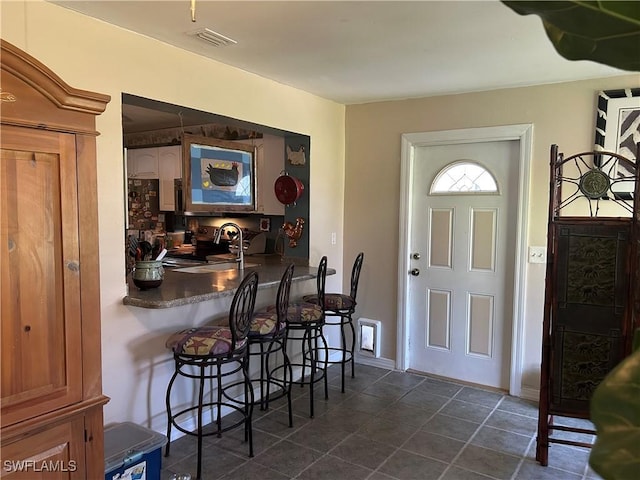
530	394
385	363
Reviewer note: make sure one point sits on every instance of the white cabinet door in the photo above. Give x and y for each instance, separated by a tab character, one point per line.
170	167
142	163
269	166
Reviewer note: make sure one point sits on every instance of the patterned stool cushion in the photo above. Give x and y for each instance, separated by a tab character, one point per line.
202	341
264	323
303	312
333	301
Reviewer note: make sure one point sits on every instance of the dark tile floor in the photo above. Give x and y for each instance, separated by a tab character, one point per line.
387	425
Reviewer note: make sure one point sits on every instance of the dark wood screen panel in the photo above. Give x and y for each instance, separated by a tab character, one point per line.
589	313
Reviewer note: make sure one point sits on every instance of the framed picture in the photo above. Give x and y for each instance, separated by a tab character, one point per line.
618	130
220	175
265	224
618	122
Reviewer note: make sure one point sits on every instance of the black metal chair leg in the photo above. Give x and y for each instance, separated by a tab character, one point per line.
219	399
312	357
200	400
326	364
169	415
343	360
288	368
353	347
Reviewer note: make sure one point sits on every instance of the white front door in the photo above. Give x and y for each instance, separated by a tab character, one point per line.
462	292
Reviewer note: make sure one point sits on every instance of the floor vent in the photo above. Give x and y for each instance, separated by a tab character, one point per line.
369	337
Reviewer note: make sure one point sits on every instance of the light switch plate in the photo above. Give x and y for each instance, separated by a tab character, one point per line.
537	254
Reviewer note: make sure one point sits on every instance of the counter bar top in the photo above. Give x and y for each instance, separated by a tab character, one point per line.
180	288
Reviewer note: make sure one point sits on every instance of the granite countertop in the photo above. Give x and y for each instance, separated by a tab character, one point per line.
180	288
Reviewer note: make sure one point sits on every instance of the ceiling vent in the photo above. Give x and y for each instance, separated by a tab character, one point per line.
214	38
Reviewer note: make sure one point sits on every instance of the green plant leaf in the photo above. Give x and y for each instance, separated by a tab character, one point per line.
615	411
606	32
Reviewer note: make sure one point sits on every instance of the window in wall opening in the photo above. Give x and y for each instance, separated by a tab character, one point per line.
464	177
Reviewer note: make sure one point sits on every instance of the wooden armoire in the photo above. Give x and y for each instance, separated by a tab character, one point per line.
51	410
592	290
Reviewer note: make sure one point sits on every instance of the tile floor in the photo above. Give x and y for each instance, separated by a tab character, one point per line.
386	426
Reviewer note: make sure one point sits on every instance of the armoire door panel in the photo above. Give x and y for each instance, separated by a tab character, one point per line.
41	361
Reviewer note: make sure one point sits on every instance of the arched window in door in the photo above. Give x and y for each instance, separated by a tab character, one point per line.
464	176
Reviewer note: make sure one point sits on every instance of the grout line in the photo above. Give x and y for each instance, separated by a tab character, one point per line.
468	442
419	429
524	457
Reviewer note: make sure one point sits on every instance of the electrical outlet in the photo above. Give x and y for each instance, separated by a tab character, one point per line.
333	238
537	255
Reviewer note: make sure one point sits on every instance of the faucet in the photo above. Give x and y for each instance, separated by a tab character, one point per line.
216	239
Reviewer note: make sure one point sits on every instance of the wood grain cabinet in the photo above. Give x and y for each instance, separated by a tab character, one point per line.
51	387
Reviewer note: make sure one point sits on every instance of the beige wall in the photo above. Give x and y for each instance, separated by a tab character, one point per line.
563	114
93	55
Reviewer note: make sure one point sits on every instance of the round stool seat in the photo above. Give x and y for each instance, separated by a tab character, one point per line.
301	313
333	301
264	323
203	341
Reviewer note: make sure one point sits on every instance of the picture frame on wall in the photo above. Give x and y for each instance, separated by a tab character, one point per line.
220	175
618	130
618	121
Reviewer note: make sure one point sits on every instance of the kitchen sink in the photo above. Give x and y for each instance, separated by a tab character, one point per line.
214	267
181	262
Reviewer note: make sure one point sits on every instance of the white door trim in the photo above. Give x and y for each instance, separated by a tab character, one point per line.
524	135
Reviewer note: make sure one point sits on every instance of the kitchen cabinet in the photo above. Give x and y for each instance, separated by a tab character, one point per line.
170	168
269	166
51	385
163	163
143	163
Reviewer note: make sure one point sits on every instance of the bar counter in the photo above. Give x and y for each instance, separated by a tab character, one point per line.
180	288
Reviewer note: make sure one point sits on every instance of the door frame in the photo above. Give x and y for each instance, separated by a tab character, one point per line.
523	133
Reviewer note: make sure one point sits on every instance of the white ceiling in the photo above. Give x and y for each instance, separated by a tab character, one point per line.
361	51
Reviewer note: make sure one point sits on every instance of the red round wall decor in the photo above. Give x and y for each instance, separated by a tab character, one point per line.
288	189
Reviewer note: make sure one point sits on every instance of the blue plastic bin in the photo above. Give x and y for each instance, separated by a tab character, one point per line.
132	452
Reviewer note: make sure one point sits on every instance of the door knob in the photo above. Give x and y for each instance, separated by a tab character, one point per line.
416	256
415	272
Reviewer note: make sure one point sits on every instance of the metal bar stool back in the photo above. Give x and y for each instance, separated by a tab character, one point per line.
269	333
343	306
200	353
308	318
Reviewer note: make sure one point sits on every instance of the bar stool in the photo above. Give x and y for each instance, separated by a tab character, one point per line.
343	306
308	318
206	350
269	332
